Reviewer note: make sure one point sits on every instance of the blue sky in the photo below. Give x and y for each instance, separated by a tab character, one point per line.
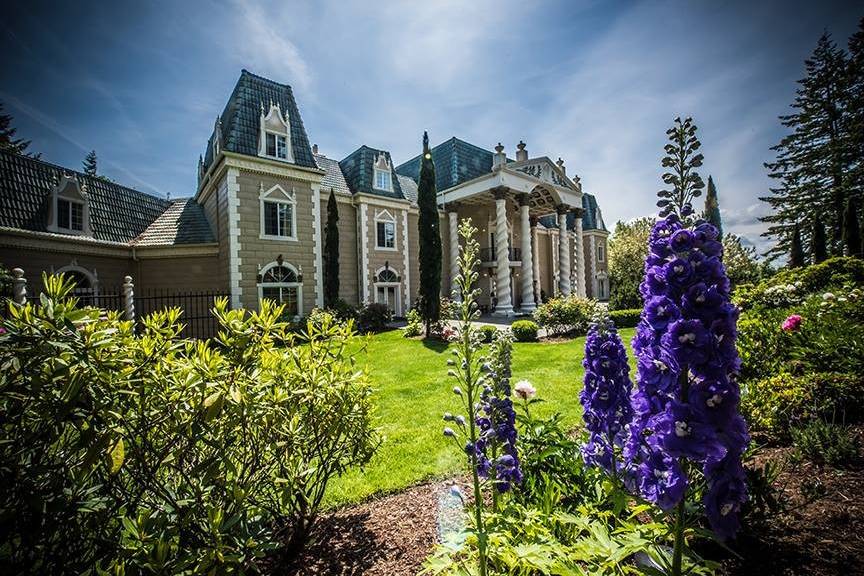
594	82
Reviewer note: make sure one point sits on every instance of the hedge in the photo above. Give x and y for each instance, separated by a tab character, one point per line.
626	318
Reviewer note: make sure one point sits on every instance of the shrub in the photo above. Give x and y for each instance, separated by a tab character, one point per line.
342	310
415	324
625	318
524	331
373	318
135	453
488	332
825	443
776	404
566	315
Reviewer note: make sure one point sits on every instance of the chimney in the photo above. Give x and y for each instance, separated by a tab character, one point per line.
499	159
521	153
314	148
560	164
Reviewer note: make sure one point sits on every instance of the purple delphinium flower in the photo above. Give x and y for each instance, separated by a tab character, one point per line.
496	446
686	402
605	396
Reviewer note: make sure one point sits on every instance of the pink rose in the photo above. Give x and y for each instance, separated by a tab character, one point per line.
792	323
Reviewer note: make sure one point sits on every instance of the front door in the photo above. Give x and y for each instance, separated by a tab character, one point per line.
388	294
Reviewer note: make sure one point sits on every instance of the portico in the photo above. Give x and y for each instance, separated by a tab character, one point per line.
505	206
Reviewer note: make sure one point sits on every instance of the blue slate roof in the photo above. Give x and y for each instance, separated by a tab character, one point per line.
589	216
456	161
358	168
240	121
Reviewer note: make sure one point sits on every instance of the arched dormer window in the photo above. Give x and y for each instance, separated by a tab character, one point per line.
382	177
385	230
278	213
282	283
275	135
69	212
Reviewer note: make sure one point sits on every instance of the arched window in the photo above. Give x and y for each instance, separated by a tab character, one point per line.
388	290
86	283
282	283
387	275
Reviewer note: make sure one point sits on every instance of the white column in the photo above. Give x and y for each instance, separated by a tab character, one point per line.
580	255
527	257
453	226
535	259
563	253
504	306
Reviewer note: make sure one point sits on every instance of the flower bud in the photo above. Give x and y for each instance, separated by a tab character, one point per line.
449	432
448	416
457	391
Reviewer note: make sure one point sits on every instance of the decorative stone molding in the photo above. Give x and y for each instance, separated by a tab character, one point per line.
317	248
406	264
278	124
232	186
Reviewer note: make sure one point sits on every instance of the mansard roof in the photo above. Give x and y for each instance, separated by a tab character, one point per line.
589	217
240	121
117	214
456	161
333	177
358	170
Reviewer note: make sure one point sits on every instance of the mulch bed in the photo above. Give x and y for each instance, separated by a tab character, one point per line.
820	532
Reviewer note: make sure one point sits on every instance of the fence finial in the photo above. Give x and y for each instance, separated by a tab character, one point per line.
128	298
19	286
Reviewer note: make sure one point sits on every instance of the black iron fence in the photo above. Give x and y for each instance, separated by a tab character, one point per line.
490	254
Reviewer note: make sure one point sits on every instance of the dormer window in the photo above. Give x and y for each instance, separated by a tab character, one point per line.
70	215
275	135
69	210
382	178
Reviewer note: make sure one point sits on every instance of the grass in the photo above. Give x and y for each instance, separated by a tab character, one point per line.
413	391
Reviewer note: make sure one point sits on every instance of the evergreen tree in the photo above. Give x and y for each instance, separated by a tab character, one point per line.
331	253
855	108
852	228
796	249
818	248
682	159
712	208
8	142
812	164
90	164
430	240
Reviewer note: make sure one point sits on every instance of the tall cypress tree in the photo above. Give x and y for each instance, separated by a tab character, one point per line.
91	164
712	207
8	141
331	253
852	228
818	248
796	248
429	234
812	164
855	108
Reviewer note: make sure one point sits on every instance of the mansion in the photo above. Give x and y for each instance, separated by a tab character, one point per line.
255	226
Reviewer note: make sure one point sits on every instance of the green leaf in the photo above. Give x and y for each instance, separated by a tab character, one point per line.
117	454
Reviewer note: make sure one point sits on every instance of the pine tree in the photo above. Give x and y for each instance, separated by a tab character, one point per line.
812	164
331	253
8	142
796	249
855	107
90	164
681	157
712	207
852	228
818	248
430	240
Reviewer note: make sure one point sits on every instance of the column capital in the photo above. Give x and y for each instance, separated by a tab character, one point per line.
562	209
524	199
500	193
579	212
452	207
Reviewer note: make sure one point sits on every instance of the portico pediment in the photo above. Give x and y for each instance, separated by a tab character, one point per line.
545	170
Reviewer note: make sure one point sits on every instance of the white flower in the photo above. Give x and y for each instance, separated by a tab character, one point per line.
525	390
828	296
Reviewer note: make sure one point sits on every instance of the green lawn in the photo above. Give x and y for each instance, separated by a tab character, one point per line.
413	391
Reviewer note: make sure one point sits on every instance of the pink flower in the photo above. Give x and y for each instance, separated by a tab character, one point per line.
525	390
792	323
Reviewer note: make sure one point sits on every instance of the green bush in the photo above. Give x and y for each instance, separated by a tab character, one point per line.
134	453
415	324
566	315
488	333
776	404
524	331
373	318
825	443
342	310
625	318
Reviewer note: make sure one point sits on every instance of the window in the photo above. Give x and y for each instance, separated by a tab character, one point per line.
387	290
282	284
70	215
278	214
601	252
277	146
387	275
382	180
385	231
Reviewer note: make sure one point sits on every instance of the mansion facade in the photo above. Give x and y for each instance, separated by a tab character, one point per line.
255	226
